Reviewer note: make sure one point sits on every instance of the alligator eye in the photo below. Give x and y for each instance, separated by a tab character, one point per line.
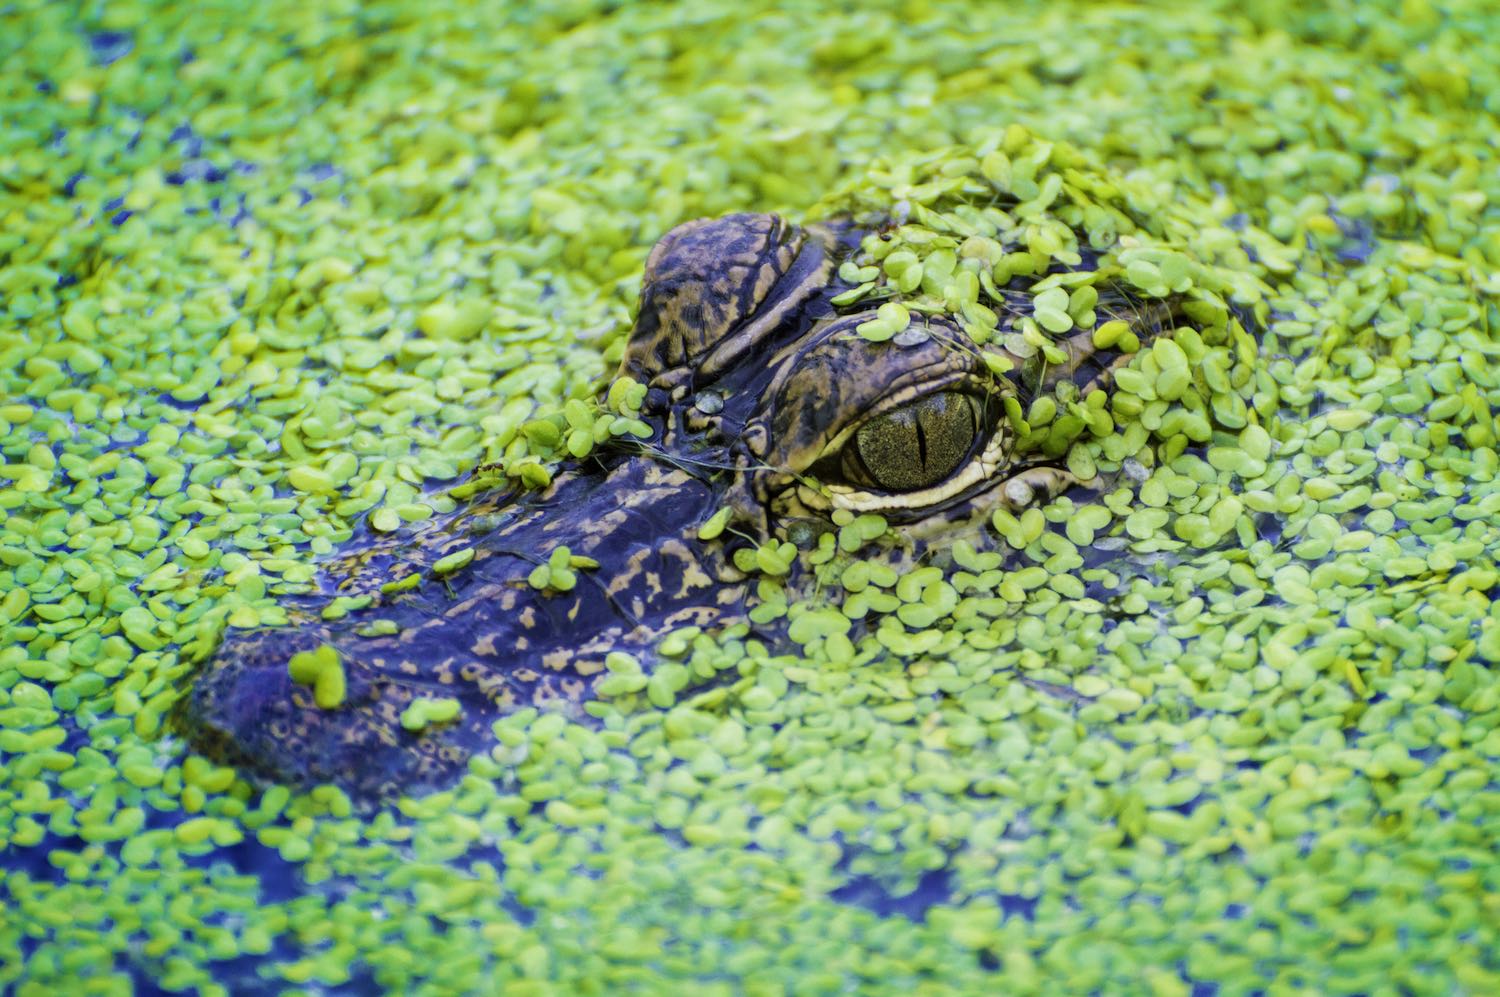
915	446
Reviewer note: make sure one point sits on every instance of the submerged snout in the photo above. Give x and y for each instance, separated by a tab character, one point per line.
394	697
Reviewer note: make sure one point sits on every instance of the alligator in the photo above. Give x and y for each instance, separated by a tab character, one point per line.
762	398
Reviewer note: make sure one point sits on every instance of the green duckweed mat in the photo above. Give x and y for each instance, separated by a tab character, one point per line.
273	273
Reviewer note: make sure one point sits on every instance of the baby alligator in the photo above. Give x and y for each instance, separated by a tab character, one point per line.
761	397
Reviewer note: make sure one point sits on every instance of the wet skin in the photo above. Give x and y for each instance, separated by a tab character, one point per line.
761	397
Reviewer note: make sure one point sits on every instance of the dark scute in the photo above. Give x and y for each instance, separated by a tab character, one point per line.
701	280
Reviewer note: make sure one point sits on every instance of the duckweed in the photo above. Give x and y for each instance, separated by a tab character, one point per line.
273	277
423	713
559	571
450	563
324	671
714	527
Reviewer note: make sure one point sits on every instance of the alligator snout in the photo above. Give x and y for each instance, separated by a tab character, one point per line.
490	636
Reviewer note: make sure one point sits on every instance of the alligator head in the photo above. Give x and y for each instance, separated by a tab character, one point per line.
762	397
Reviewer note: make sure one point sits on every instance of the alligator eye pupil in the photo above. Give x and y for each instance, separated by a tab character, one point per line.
918	445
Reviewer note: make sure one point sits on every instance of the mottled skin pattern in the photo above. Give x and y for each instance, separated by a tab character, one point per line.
482	635
757	384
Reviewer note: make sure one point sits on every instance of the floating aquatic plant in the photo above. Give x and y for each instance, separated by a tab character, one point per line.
271	278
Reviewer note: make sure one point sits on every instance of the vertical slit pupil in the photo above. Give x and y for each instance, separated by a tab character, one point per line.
918	445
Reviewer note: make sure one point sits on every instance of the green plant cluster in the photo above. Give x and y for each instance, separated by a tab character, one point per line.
270	274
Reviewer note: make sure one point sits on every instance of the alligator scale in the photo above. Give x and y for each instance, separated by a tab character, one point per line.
761	397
